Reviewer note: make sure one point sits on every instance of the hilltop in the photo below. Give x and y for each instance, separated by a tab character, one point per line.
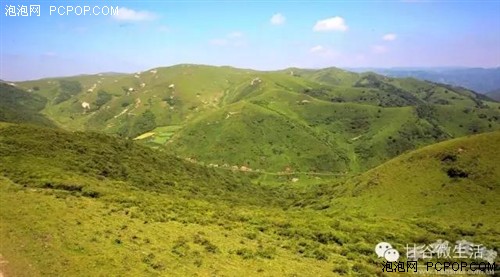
293	120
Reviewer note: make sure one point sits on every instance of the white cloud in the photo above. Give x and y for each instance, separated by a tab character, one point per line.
317	48
336	23
379	49
278	19
389	37
125	14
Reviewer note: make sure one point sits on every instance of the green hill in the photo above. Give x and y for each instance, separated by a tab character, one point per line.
457	179
347	130
281	142
20	106
263	120
79	161
80	204
116	102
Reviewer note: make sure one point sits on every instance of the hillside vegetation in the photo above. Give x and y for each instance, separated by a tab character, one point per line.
293	120
55	159
20	106
218	171
80	204
437	181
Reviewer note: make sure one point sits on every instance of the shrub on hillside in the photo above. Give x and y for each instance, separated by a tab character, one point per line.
143	123
67	89
181	247
209	247
245	253
103	97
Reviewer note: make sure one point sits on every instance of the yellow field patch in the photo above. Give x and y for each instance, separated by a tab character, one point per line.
145	135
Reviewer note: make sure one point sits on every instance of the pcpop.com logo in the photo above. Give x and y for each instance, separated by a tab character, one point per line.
384	249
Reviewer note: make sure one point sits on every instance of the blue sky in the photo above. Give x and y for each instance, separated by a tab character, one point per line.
252	34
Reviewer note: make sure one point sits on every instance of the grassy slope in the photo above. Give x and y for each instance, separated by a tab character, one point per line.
20	106
357	136
240	127
168	217
50	158
426	184
196	89
354	121
79	204
396	115
420	181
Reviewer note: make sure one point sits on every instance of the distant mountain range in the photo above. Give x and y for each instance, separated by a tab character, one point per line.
481	80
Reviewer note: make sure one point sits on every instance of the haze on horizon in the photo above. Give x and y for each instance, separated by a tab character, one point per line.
250	34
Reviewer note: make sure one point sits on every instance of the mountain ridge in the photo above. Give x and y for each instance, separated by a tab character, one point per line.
187	108
481	80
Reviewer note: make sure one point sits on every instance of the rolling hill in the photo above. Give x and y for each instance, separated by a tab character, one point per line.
79	204
294	120
20	106
456	179
78	161
222	171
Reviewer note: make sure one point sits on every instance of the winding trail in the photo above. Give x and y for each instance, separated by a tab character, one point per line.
284	173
